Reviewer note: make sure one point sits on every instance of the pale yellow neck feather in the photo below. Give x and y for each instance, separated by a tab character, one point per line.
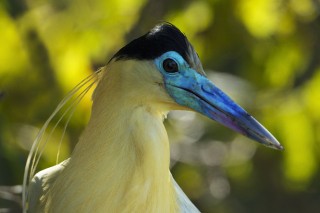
121	162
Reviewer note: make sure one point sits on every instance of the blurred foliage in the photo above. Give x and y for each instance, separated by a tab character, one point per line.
267	53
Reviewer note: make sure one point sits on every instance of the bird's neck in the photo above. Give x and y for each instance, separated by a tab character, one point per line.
121	162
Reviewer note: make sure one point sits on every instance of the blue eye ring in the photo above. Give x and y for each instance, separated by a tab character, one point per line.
170	66
170	63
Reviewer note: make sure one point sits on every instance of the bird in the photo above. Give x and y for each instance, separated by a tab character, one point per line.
121	160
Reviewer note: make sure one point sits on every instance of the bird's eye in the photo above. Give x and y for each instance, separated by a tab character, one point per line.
170	66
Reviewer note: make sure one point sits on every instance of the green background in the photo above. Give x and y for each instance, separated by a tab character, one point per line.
265	54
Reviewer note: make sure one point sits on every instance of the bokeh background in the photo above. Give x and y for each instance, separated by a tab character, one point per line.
263	53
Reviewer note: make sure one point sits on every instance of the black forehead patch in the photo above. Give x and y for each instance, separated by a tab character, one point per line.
162	38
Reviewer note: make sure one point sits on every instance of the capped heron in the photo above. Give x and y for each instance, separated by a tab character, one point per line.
121	161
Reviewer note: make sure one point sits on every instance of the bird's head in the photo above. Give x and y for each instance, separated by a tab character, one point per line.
168	70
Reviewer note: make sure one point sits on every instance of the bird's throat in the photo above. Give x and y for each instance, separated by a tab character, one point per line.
122	166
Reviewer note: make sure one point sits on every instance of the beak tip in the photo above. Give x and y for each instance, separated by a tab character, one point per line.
279	147
275	145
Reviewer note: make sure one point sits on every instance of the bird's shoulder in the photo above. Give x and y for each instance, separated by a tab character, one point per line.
186	206
41	183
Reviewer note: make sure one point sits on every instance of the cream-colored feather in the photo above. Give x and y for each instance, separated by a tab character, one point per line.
121	162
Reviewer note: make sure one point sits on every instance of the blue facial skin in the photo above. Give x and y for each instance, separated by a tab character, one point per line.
193	90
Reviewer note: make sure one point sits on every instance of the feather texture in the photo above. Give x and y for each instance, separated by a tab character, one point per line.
121	162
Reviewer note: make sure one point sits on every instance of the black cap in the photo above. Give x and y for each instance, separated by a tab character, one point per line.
162	38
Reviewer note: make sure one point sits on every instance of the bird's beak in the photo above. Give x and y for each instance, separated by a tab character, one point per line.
200	94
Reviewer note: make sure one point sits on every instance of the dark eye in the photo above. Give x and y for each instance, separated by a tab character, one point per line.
169	65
